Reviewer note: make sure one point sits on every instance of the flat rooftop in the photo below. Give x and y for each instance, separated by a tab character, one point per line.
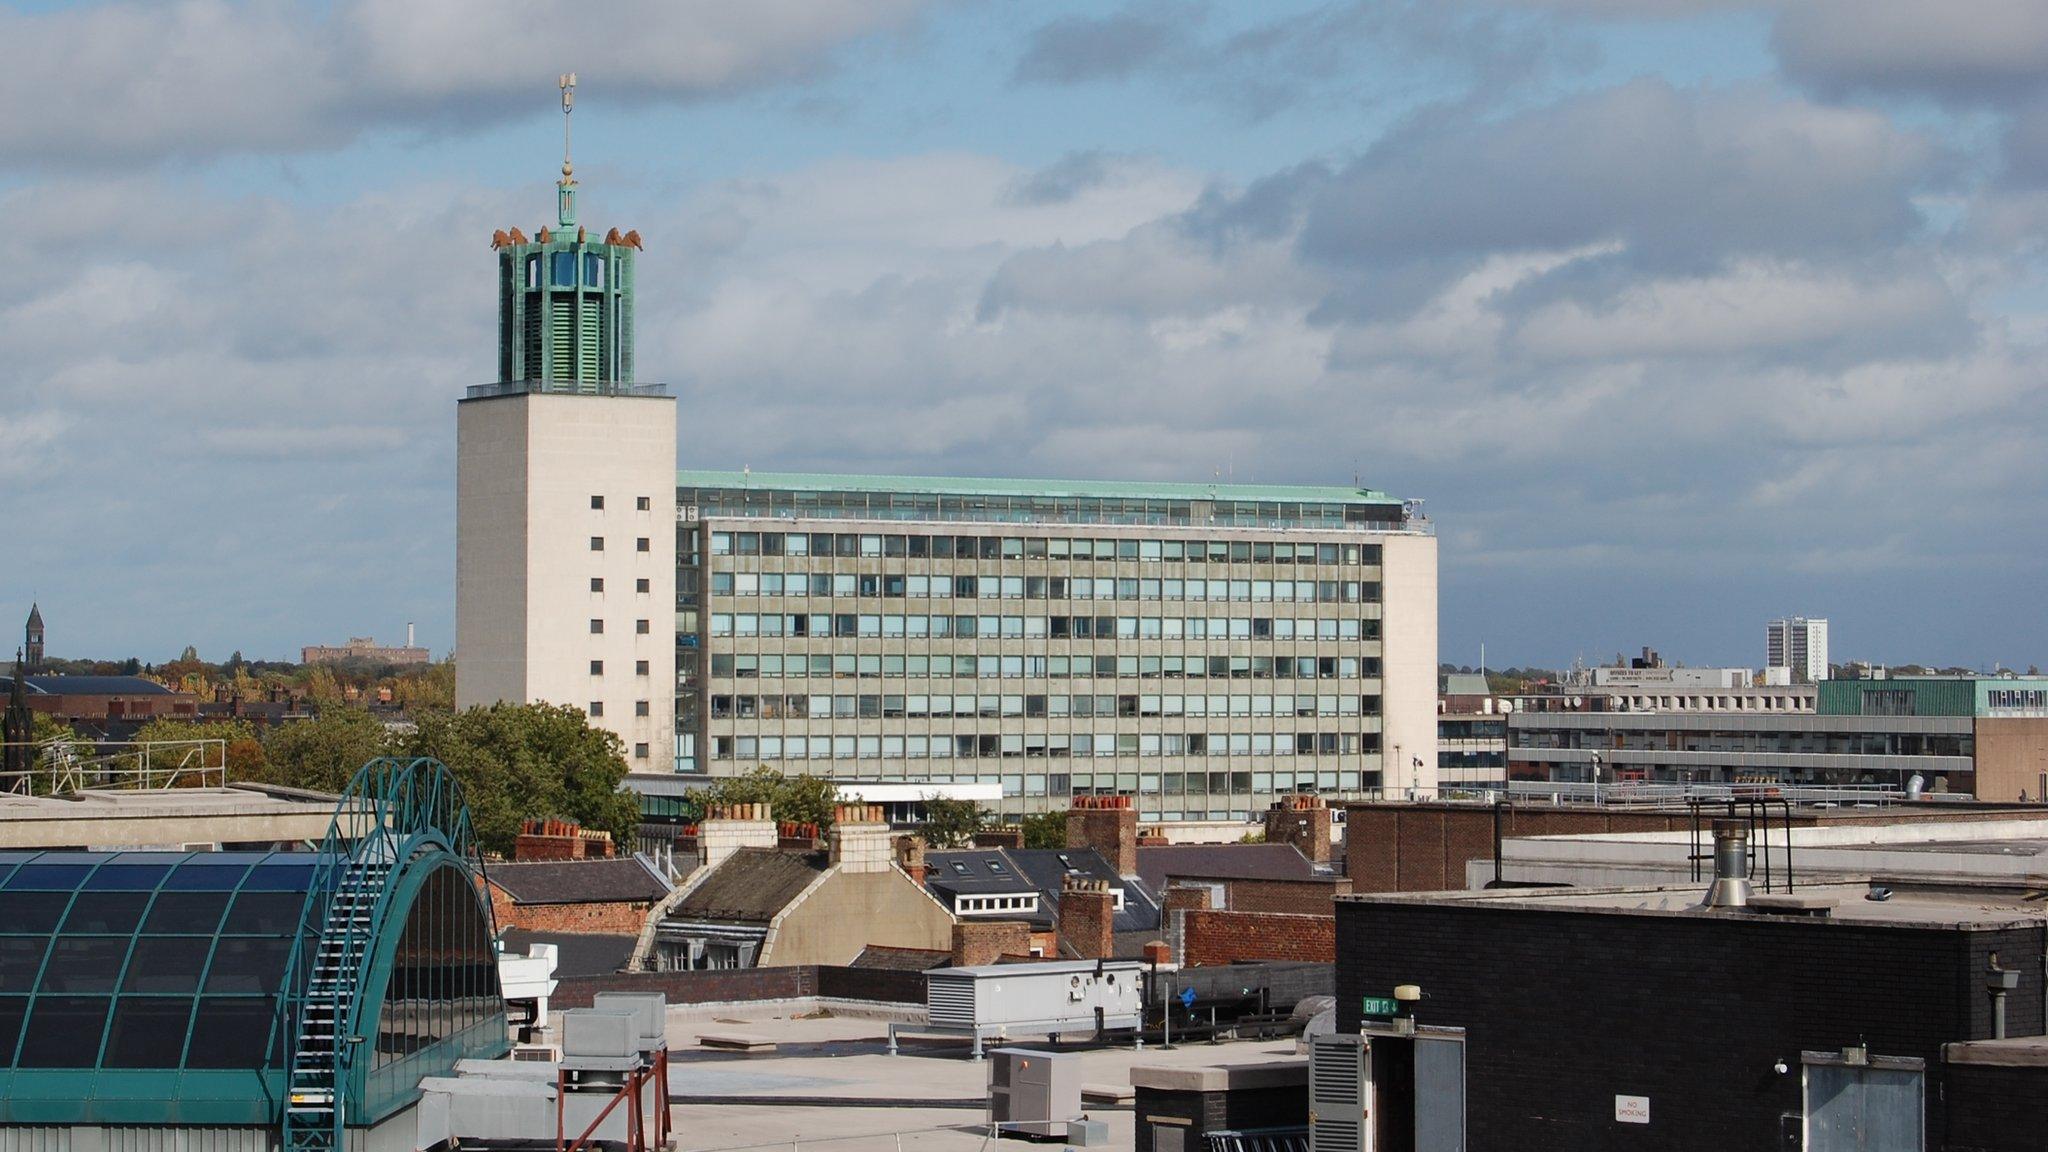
163	817
1048	489
831	1077
1953	906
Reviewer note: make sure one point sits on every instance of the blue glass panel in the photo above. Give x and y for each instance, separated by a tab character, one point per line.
60	877
265	913
64	1032
167	964
247	965
132	877
280	876
148	1032
593	270
206	877
562	269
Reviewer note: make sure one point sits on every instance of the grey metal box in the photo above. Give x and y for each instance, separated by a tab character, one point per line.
1034	1092
587	1032
648	1009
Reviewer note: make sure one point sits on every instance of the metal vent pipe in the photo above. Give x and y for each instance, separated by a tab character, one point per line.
1731	866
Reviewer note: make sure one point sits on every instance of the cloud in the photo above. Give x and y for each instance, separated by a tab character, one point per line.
125	83
1081	49
1959	51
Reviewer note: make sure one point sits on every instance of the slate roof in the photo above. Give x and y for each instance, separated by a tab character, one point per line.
1042	870
87	686
579	953
752	886
625	879
1227	862
901	959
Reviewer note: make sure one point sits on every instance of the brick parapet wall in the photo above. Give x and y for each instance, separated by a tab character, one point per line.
609	918
1307	897
1237	937
987	941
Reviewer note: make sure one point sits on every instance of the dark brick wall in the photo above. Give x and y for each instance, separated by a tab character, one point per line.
1234	937
1565	1010
1308	897
739	984
1995	1109
1209	1112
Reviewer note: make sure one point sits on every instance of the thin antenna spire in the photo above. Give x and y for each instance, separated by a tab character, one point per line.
568	106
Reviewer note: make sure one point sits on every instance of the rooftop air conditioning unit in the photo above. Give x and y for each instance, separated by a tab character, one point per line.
1339	1093
538	1053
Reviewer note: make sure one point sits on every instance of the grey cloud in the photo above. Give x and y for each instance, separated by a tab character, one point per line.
120	83
1961	51
1066	178
1079	49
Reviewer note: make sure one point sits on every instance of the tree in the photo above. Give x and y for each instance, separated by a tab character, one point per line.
804	799
243	753
521	761
325	752
1045	830
321	686
952	823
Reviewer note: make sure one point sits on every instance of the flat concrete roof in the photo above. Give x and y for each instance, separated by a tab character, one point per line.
164	817
1952	906
831	1077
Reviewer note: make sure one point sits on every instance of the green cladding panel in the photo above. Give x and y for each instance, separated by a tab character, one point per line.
565	311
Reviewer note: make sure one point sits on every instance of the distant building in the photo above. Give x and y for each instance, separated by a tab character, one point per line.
1471	733
32	646
98	699
365	649
1800	645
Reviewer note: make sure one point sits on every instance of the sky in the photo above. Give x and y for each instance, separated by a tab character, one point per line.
1679	315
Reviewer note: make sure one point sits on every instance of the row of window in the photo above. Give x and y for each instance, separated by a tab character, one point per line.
968	904
1038	548
640	668
888	707
640	627
917	587
847	666
642	544
640	503
1046	627
1039	745
643	584
640	708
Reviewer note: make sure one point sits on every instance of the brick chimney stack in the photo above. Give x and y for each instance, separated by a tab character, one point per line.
1303	821
1108	824
559	840
727	828
1087	925
860	839
910	849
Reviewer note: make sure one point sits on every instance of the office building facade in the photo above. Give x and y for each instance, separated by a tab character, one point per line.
1799	645
1203	648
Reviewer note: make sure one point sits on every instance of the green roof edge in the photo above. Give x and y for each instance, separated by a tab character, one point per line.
995	486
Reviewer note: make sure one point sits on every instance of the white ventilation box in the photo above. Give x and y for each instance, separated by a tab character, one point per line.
1035	1093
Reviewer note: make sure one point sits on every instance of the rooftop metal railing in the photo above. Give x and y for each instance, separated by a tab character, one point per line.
563	387
65	767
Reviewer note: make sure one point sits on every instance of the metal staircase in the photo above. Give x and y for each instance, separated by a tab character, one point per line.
391	811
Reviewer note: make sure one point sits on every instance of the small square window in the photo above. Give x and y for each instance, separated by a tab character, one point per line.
639	707
597	627
597	667
597	707
639	667
643	584
640	627
645	503
597	543
639	751
597	583
641	545
597	503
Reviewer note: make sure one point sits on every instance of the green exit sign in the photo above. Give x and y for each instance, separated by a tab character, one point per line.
1380	1006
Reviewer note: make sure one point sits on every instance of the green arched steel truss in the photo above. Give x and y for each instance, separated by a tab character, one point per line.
398	824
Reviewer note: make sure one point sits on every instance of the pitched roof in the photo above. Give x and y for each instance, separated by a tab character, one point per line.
578	953
1227	862
87	686
752	886
618	880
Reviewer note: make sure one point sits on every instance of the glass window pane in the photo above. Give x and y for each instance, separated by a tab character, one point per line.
230	1032
12	1010
64	1032
206	877
85	964
21	959
58	877
183	912
148	1032
248	965
106	912
140	877
36	912
265	913
167	964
